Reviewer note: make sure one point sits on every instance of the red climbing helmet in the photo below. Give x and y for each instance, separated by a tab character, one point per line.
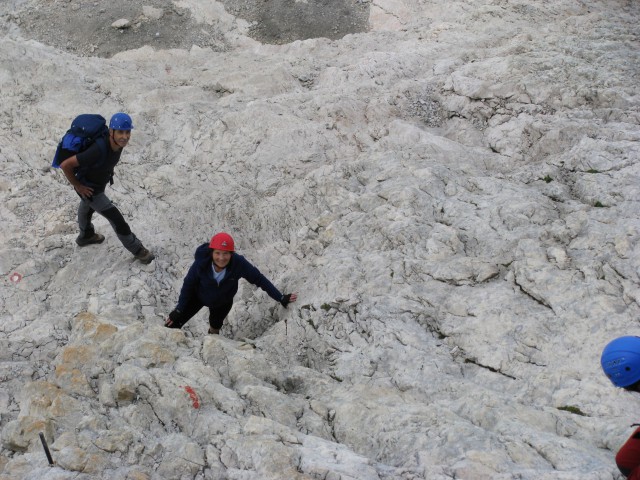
222	241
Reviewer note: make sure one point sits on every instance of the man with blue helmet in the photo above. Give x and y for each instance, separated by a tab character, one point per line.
621	363
89	172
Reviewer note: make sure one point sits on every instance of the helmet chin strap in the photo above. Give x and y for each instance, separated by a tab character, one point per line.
113	139
217	267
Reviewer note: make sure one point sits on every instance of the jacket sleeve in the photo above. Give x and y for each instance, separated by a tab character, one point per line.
253	275
189	287
627	458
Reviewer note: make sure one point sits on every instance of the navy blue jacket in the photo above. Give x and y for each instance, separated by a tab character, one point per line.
97	164
199	282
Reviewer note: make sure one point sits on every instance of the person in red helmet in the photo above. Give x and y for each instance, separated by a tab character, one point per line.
212	281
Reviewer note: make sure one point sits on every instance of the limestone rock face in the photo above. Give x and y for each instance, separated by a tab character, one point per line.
453	194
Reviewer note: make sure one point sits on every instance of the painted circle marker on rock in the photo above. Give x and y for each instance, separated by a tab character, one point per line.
15	277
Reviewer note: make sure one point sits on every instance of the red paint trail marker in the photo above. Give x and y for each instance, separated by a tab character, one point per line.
193	395
15	277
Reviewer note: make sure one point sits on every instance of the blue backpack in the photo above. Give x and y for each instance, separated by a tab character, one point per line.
86	129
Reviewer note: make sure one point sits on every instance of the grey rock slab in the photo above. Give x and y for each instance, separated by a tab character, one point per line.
451	190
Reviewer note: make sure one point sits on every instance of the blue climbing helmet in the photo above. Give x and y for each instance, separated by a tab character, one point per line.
121	121
621	361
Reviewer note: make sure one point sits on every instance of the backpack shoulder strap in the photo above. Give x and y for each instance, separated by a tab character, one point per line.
101	141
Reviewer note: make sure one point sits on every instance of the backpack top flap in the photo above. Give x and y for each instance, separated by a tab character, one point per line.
85	129
88	125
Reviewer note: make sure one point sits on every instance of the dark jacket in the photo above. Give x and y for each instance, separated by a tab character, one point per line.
97	164
199	282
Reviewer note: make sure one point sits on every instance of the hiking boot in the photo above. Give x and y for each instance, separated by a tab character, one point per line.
145	256
214	331
95	238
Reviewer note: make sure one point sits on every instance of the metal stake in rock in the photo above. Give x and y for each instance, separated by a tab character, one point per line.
46	449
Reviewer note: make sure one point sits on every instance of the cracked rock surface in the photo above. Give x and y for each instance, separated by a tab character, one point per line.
452	189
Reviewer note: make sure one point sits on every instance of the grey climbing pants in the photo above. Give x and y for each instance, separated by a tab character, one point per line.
100	203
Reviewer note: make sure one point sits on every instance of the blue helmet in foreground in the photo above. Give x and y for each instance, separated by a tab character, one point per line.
121	121
621	361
